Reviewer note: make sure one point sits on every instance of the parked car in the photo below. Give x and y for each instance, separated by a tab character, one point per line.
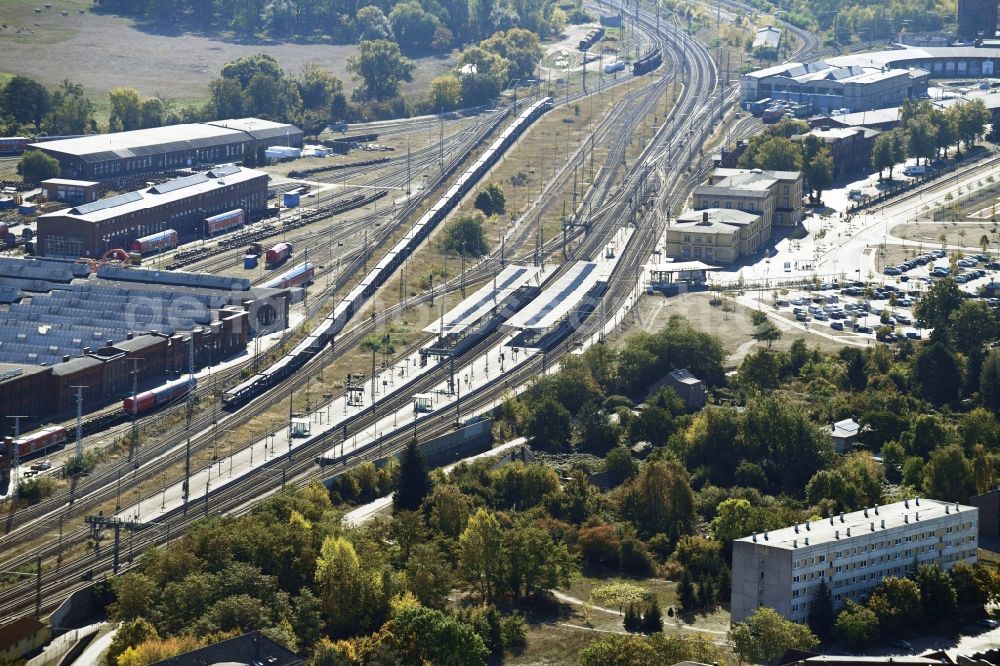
801	316
903	319
891	270
913	335
993	265
821	316
41	465
781	304
863	329
837	325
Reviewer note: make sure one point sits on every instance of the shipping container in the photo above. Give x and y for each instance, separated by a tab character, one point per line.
758	107
7	203
27	209
291	199
157	242
278	254
223	222
250	261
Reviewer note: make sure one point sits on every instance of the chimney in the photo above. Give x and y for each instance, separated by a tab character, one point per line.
876	509
848	531
836	534
130	336
831	520
807	541
866	513
755	537
795	543
917	500
808	528
906	504
947	508
906	518
917	516
765	535
841	516
873	527
66	358
883	523
110	343
956	507
796	528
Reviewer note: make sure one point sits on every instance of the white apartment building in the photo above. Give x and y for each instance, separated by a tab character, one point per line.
851	552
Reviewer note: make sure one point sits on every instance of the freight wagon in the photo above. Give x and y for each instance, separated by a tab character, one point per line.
648	64
164	240
161	395
277	254
223	222
36	442
614	67
300	275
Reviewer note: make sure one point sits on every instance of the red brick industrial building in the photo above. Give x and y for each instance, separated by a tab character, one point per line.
89	230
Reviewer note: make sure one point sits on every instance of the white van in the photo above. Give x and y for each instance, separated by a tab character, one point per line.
914	170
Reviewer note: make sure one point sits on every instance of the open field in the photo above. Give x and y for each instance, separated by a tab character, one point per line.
88	49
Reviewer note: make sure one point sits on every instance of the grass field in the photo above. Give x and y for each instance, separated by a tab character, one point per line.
102	51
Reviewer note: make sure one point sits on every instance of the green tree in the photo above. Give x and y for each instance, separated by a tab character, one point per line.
71	111
26	100
948	474
897	604
414	28
517	46
129	635
152	112
549	426
778	154
659	498
534	562
856	626
445	93
372	24
319	89
594	433
226	99
989	382
618	594
340	585
972	119
921	138
414	482
764	636
35	166
939	373
652	619
429	575
946	122
821	618
620	465
936	592
819	172
481	555
686	592
126	108
882	154
759	370
381	67
735	519
427	636
938	304
466	236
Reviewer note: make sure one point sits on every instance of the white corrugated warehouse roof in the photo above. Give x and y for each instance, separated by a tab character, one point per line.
476	306
558	299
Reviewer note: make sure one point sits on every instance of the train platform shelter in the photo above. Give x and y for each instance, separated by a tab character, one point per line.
478	313
555	306
679	272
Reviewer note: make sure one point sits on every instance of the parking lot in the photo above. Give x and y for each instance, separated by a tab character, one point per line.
884	309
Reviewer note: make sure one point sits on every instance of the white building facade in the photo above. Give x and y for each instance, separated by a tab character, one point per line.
850	552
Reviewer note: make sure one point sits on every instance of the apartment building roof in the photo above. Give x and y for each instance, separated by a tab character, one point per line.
715	219
858	523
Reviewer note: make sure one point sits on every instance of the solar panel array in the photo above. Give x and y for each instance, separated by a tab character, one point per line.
45	328
110	202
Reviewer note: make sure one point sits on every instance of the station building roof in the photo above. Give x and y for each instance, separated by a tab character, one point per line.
558	299
475	307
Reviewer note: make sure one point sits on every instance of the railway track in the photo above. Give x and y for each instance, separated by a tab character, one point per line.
231	497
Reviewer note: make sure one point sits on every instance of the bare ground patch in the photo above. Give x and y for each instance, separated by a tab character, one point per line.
102	51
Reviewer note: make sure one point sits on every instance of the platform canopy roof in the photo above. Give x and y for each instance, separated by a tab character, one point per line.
559	298
478	305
